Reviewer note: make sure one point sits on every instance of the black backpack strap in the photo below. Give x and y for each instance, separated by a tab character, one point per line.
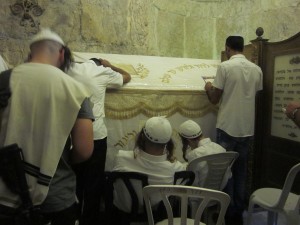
13	173
4	88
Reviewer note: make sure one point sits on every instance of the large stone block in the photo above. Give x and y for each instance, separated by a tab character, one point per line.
175	28
201	43
170	35
104	22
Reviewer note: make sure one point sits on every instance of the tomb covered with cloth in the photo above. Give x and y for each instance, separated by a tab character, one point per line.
160	86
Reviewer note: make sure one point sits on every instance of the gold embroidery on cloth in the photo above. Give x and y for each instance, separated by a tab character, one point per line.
125	105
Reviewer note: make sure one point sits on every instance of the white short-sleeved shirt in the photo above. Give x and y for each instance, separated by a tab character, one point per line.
97	78
239	79
205	147
158	169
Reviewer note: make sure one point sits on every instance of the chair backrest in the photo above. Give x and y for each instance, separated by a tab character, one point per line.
131	184
217	166
184	193
288	185
184	178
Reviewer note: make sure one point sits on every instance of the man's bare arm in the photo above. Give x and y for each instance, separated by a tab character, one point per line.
292	111
214	94
126	76
82	140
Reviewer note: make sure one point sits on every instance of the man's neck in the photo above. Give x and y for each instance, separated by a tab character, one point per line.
43	60
235	53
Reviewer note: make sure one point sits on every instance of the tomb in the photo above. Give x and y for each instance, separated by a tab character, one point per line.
160	86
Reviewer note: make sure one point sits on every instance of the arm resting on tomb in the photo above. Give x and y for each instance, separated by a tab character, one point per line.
214	94
126	76
292	112
297	118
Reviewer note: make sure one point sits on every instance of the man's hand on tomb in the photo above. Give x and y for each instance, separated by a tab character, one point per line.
105	63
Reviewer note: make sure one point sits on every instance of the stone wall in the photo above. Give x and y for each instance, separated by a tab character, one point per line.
174	28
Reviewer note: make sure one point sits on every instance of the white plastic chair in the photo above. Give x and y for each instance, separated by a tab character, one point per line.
211	172
278	201
218	167
184	193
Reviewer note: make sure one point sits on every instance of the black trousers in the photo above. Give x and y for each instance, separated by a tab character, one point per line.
7	215
10	216
67	216
91	184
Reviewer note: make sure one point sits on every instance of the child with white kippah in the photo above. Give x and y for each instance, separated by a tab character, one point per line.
153	155
195	145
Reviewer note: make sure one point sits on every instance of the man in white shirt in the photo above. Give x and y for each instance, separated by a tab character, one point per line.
97	74
235	86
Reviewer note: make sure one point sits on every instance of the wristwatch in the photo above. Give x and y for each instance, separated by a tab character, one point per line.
294	113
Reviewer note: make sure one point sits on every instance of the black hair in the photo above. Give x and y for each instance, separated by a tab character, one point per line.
68	59
185	145
97	61
235	42
142	139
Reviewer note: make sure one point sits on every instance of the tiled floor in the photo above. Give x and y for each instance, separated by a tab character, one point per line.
260	218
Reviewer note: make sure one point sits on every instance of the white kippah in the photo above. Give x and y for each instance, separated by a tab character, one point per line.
158	130
189	129
46	34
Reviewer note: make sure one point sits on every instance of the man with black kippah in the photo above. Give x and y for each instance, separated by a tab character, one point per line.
97	74
235	86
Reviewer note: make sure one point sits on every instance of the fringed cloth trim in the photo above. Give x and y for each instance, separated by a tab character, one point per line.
128	105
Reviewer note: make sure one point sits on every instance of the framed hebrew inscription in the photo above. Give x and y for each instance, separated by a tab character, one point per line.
277	139
286	88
